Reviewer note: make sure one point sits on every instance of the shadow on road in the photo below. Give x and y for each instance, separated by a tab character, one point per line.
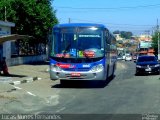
145	74
13	75
84	84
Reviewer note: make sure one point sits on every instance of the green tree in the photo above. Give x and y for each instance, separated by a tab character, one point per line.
155	42
116	32
126	35
32	17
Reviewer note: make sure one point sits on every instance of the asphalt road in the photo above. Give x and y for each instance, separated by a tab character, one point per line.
124	94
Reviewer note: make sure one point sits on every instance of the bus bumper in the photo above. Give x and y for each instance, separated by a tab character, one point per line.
70	75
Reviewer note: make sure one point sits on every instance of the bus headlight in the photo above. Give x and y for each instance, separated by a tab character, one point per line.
97	68
55	68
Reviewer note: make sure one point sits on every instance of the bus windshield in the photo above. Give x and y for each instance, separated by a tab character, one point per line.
78	43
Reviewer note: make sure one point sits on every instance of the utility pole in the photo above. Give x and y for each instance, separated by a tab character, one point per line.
69	20
148	33
5	14
158	40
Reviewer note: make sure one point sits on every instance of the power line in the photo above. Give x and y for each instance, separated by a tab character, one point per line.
128	27
111	8
115	23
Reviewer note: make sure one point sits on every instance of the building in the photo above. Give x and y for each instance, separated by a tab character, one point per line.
118	37
5	44
145	45
145	37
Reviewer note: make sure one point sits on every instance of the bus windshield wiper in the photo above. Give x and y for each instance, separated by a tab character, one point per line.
66	49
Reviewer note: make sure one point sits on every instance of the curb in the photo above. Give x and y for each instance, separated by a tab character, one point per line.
30	79
5	79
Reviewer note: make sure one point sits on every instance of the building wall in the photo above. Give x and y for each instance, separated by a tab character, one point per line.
118	37
145	38
6	46
145	44
26	60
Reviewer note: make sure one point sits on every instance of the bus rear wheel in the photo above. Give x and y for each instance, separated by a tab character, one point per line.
112	75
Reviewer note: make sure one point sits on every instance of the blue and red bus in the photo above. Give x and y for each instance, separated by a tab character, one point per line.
82	51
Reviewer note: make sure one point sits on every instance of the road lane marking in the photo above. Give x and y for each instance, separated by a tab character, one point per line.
17	87
17	82
30	93
123	66
63	108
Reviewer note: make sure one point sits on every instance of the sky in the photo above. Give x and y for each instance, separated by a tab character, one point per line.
136	16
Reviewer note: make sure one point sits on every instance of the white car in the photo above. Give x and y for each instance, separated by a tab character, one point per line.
128	58
123	57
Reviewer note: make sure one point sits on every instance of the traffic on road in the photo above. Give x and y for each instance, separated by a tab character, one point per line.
124	93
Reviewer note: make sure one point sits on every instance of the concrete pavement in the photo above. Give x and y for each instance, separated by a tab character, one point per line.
22	74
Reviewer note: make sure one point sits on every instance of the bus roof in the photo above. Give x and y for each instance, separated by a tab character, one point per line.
79	25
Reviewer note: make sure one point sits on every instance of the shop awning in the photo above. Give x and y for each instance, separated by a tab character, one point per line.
12	37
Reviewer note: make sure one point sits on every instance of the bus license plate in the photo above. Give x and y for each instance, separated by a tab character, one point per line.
75	74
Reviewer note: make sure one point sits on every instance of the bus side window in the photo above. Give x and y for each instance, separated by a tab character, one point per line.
108	37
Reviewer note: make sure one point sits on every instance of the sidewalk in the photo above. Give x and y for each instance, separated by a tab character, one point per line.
22	74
